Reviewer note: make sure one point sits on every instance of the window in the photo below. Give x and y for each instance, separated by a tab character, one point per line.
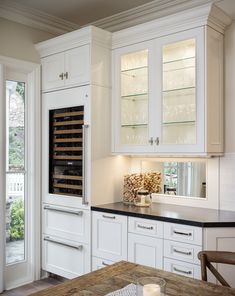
15	171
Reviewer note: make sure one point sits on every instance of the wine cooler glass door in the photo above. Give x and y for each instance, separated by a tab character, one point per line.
66	151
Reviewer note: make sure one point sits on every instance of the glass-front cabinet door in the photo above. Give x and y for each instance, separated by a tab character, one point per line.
182	76
158	95
132	102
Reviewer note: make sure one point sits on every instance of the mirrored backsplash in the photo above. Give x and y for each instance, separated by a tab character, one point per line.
179	178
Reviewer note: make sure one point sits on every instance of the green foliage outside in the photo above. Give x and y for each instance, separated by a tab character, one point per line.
17	220
16	147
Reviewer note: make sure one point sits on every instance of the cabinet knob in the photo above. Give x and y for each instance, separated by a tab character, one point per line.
157	141
61	76
66	75
151	141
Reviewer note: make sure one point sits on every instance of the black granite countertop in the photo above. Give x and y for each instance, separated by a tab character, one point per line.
173	213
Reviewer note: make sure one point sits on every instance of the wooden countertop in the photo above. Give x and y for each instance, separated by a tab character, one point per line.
118	275
173	213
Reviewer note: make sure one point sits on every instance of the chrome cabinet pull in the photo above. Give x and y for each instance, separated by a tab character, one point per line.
51	240
84	198
182	252
109	217
105	264
61	76
182	233
145	227
66	75
151	141
157	141
50	208
182	271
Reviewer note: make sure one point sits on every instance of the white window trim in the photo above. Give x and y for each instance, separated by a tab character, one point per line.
32	70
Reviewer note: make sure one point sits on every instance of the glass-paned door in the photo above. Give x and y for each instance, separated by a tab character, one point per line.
179	92
15	171
134	98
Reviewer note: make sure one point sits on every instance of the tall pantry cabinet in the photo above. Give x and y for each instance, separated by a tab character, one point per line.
76	161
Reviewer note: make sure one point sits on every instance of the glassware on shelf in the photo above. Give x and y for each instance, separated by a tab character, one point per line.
179	93
134	98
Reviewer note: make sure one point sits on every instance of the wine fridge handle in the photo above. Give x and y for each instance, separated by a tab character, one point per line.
84	134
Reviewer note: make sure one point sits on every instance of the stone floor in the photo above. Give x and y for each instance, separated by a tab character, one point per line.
14	251
32	288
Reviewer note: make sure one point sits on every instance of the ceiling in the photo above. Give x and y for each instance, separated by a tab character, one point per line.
82	12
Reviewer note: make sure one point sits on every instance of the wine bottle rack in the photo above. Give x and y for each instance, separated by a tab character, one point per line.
66	151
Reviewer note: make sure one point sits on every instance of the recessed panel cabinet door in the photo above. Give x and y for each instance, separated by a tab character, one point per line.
53	71
109	236
77	65
145	250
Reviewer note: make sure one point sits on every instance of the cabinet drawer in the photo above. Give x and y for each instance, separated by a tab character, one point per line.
98	263
183	233
181	251
109	236
65	258
67	223
145	250
182	268
145	227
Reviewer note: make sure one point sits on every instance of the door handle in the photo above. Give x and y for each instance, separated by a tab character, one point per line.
84	198
51	240
51	208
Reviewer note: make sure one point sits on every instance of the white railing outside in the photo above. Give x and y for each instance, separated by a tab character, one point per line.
15	184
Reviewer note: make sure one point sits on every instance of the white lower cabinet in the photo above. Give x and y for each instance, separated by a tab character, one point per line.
145	250
109	236
181	251
98	263
66	240
182	268
65	258
67	223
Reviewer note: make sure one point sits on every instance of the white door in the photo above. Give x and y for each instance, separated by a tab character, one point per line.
53	72
77	65
17	198
145	250
109	236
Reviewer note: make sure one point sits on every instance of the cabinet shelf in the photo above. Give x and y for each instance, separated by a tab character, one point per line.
179	60
135	125
67	177
140	96
178	89
186	122
134	69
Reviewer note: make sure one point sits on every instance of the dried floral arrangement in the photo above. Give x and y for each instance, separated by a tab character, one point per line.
133	182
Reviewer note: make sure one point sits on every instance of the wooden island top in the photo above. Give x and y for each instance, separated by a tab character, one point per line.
118	275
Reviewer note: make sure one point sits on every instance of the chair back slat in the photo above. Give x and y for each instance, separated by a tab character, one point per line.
208	257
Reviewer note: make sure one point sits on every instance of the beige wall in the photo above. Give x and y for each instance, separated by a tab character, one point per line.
17	41
227	163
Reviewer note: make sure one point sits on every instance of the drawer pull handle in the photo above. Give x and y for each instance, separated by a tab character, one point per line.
182	252
182	233
145	227
182	271
105	264
77	247
50	208
66	75
109	217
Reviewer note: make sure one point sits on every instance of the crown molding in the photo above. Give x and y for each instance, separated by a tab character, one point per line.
85	35
33	18
207	14
147	12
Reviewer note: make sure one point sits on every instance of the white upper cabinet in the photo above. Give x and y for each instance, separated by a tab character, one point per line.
78	58
168	90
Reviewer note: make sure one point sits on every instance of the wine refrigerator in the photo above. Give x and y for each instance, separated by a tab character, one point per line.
66	151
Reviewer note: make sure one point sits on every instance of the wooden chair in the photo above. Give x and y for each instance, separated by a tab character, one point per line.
208	257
